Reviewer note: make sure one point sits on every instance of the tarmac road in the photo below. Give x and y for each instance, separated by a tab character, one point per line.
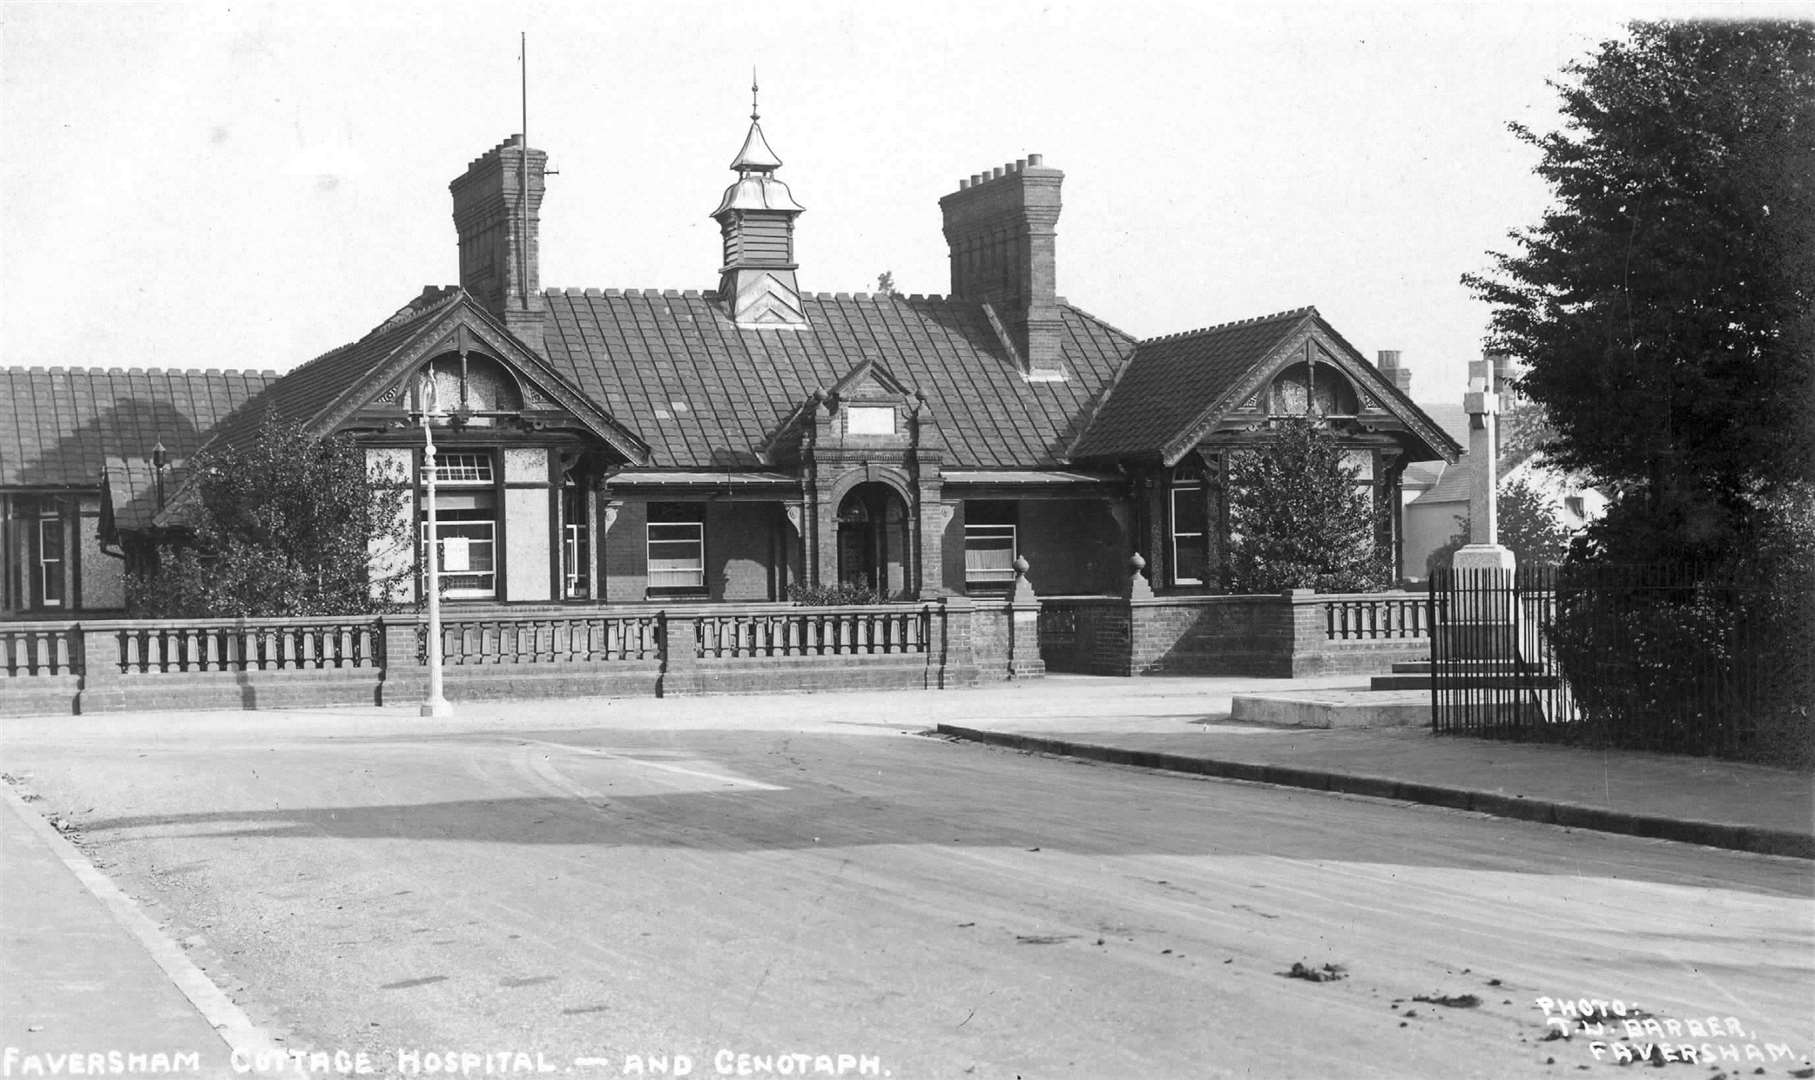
595	894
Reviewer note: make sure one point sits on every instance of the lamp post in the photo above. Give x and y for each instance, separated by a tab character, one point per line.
160	460
436	704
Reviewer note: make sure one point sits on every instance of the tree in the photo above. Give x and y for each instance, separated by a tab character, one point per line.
1527	526
288	525
885	283
1665	304
1300	518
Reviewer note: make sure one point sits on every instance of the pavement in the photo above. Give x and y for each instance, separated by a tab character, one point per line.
83	966
88	975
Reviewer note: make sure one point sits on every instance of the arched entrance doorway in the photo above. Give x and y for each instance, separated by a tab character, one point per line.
873	539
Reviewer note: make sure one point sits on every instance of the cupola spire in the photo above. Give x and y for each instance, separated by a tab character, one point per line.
756	218
755	156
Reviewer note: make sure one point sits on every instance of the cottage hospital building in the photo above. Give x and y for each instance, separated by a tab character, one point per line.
626	446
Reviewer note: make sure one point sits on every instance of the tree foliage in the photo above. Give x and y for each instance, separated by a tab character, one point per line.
1526	524
1664	303
1299	519
285	526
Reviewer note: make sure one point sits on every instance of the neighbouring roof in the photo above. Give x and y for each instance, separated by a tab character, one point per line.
1171	381
1458	480
707	394
1453	419
673	370
1450	416
130	497
59	427
305	393
1175	388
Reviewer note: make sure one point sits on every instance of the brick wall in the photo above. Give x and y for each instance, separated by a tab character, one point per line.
1073	546
740	550
1271	636
626	551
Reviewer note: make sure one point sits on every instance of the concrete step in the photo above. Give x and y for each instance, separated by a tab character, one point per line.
1335	708
1400	682
1483	681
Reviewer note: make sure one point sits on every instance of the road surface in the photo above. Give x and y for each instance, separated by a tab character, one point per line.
620	896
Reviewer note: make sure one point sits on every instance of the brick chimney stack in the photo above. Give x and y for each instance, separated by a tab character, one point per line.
497	218
1400	377
1000	227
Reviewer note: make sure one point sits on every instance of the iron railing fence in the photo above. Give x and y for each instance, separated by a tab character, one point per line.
1673	658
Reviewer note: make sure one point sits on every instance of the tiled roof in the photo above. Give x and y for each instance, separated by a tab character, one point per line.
131	493
1518	445
1450	416
302	394
1172	381
704	393
1454	485
59	427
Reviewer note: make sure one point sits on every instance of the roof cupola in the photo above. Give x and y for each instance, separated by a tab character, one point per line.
756	218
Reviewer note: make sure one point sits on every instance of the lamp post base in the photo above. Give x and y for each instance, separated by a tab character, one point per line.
437	707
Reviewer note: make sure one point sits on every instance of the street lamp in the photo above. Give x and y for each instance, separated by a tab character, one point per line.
160	460
436	703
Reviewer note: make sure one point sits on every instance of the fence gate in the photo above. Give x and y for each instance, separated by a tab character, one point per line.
1494	669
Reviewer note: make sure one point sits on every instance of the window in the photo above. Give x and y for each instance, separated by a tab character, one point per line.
1362	463
870	420
463	468
576	548
1189	526
466	524
677	548
989	544
468	527
50	561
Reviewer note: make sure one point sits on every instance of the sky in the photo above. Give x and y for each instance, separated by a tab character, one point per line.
205	185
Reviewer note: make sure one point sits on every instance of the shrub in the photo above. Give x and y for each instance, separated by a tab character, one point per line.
843	593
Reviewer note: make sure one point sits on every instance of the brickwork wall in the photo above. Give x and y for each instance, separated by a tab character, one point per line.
740	546
1085	636
990	639
1073	546
1269	636
626	550
953	550
1219	635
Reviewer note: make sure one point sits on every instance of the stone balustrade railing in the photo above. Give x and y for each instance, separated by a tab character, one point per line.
500	652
